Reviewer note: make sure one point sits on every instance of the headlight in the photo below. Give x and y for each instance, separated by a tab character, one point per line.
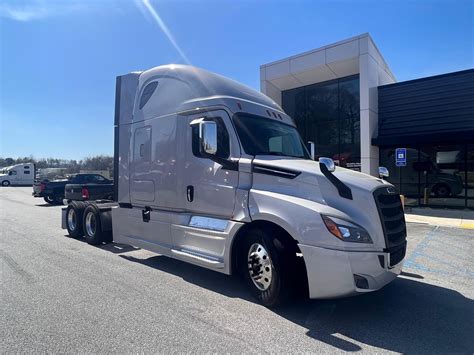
346	231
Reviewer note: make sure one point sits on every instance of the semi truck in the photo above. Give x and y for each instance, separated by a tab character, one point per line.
214	173
19	174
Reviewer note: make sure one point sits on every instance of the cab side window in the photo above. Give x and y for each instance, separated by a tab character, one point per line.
223	145
12	172
98	179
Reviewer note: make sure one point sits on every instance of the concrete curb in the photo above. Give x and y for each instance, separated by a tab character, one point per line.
441	221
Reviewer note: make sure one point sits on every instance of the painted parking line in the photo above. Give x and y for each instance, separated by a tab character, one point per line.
423	252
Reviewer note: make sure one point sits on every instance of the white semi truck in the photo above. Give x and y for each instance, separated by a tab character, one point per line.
19	174
213	173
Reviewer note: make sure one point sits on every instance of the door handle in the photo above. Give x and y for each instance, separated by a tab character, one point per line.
190	193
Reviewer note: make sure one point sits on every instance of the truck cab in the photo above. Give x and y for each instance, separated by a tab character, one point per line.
19	174
214	173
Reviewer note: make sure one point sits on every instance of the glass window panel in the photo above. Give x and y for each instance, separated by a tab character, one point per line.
329	115
293	102
470	175
322	102
442	172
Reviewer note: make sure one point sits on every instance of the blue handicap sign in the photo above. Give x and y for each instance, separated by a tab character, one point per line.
401	157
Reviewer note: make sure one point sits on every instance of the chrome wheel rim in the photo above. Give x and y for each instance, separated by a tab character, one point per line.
260	266
90	224
71	219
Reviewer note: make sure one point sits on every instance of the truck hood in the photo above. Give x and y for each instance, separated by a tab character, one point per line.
310	173
311	184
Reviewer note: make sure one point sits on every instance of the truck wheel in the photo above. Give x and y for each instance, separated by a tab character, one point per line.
5	183
48	199
92	226
441	190
265	265
74	212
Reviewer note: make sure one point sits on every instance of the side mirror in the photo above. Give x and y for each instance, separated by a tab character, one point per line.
383	172
311	149
208	137
328	163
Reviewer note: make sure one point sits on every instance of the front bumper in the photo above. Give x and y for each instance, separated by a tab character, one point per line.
331	273
38	194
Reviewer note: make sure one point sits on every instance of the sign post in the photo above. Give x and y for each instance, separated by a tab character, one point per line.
400	160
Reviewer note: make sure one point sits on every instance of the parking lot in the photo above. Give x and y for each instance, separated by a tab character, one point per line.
62	295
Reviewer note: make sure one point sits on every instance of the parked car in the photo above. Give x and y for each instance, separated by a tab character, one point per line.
19	174
100	189
53	192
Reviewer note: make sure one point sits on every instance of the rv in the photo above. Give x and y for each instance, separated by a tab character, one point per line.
19	174
211	172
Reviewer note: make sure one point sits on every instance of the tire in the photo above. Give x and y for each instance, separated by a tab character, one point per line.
442	190
74	213
49	199
5	183
92	227
266	265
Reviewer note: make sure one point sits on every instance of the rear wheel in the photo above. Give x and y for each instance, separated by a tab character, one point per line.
265	265
5	183
92	227
442	190
74	213
48	199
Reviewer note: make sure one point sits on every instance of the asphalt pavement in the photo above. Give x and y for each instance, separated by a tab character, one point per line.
59	294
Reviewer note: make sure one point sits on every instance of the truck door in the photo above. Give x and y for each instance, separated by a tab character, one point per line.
209	188
13	177
142	187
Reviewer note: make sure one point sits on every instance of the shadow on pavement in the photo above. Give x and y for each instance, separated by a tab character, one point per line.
405	316
116	248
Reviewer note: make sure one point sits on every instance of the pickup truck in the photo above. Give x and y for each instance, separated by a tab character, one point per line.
53	191
99	190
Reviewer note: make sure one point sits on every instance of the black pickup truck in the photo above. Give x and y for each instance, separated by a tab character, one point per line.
53	191
99	189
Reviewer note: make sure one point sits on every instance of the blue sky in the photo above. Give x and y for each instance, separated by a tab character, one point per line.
59	59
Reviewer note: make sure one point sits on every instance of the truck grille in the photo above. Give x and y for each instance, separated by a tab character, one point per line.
393	221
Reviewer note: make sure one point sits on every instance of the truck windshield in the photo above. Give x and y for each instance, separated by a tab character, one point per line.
263	136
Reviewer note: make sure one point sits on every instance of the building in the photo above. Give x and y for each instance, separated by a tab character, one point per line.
345	99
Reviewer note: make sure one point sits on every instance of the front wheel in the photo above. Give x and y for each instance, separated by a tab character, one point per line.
92	227
265	265
5	183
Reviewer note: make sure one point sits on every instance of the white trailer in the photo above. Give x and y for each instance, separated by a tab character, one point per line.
19	174
213	173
